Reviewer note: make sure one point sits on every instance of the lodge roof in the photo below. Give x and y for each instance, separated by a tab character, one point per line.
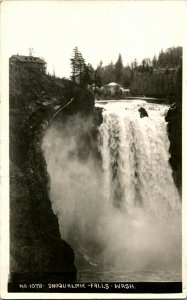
23	58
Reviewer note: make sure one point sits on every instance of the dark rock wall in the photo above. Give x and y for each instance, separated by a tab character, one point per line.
36	247
174	119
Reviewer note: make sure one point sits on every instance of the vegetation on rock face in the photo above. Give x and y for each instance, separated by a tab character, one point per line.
35	243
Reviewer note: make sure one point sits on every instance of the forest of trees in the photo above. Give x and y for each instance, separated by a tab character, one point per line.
159	77
150	76
123	75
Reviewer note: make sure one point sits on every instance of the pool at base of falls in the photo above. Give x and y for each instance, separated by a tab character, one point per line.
128	276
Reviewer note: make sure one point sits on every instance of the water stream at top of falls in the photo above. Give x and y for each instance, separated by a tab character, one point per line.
120	213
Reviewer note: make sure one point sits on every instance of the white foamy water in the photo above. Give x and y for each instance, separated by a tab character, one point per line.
135	157
120	213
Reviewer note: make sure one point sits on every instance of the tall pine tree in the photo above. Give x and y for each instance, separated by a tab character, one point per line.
78	65
119	70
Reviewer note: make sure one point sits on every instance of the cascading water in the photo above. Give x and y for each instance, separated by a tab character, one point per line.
121	214
136	160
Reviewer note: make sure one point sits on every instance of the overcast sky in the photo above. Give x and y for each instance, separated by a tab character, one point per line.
100	29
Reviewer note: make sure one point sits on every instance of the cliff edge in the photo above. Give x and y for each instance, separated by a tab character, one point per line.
36	248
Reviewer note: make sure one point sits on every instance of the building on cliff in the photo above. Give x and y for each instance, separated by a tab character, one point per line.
20	62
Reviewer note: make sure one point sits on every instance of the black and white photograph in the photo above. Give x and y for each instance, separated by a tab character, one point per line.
92	161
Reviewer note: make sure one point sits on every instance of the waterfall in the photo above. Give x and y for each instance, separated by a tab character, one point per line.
135	154
121	212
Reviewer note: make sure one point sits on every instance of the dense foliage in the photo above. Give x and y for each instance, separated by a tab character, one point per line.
124	75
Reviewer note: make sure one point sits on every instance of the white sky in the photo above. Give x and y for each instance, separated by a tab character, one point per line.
100	29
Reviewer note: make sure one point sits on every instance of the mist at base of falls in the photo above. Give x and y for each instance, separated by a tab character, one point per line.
120	212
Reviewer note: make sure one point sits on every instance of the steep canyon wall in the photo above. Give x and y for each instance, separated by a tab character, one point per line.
36	247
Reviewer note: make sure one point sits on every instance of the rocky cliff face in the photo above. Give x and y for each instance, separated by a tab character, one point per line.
36	248
174	119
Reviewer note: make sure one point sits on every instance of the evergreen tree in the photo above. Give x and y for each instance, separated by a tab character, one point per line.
119	70
88	75
127	76
161	58
154	61
134	64
78	65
